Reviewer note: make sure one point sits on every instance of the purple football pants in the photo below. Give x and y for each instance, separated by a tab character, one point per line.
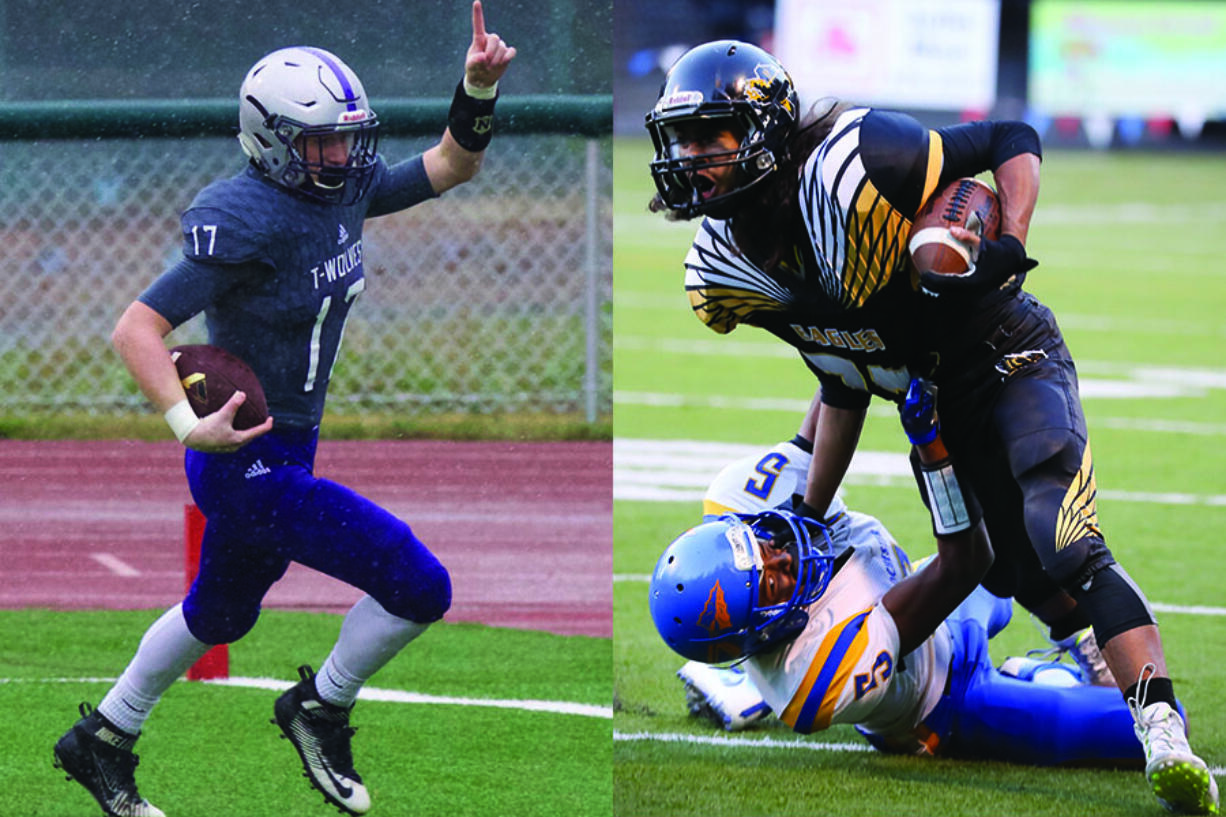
265	508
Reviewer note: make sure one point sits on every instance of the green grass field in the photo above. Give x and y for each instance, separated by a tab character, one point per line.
210	750
1130	252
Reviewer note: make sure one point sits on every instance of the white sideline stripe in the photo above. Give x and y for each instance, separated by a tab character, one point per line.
114	564
371	694
680	471
1091	388
1194	609
771	743
402	697
719	740
1160	426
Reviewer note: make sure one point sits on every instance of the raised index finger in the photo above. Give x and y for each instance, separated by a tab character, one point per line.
478	23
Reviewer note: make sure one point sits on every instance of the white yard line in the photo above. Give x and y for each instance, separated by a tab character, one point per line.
681	470
767	743
374	694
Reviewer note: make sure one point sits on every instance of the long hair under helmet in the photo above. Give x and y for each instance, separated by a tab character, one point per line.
724	84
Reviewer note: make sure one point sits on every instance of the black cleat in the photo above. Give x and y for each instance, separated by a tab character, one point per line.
321	733
99	756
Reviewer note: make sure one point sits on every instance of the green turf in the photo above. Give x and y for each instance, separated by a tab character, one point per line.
1129	249
210	750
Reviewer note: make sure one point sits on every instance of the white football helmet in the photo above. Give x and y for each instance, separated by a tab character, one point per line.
294	106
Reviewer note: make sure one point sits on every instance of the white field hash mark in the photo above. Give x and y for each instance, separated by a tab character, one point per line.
398	696
403	697
680	471
768	743
114	564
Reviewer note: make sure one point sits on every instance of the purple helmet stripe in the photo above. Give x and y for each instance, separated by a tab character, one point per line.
350	96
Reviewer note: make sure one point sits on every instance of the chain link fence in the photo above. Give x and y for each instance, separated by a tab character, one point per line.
495	297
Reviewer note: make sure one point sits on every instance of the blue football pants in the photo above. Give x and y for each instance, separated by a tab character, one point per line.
265	508
987	715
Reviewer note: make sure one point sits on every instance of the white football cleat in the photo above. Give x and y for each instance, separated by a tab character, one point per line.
723	695
1179	779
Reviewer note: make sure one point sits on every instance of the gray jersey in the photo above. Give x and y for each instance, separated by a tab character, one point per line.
276	275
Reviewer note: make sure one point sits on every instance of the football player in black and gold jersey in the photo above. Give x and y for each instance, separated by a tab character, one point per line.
804	234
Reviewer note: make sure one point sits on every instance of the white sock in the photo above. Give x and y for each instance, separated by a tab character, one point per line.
370	637
167	650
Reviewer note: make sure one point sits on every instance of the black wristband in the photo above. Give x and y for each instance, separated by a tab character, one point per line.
471	121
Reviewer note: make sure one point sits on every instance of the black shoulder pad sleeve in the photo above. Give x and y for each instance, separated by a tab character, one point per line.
895	150
974	147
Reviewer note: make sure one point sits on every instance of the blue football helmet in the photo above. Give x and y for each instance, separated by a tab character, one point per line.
292	102
722	84
704	591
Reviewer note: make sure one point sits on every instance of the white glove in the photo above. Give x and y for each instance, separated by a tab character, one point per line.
723	695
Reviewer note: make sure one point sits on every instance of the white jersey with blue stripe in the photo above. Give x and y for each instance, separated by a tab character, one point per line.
845	666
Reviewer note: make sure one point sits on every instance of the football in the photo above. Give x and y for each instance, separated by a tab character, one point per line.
965	203
210	375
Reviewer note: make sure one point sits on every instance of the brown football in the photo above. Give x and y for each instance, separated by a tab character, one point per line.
210	375
965	203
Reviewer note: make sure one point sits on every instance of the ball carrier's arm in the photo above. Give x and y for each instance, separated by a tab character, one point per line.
138	338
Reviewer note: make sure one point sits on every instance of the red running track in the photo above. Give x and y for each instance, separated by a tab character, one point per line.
524	528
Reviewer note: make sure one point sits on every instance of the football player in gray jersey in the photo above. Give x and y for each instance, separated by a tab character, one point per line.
273	257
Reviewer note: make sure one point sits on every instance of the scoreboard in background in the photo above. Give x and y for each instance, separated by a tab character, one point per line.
909	54
1117	59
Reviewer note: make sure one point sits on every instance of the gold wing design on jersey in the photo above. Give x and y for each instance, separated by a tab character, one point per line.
858	237
877	240
1078	517
724	287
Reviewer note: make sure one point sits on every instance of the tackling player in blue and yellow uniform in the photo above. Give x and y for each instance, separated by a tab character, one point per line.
805	230
846	665
273	258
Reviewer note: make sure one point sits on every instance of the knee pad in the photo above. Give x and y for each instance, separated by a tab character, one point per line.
423	597
436	601
1114	603
222	625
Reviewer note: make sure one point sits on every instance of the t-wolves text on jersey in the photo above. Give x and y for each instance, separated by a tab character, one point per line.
276	275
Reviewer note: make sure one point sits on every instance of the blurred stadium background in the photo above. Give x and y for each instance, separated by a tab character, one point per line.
494	300
1086	73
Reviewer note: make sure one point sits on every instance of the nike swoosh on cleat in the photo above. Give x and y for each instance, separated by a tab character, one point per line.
343	790
318	762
